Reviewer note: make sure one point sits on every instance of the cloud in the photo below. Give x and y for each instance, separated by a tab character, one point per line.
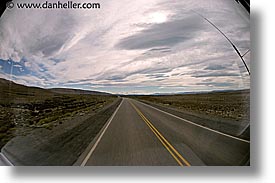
216	67
127	46
163	35
217	74
216	84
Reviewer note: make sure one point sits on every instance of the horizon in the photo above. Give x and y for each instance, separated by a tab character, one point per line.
159	47
127	94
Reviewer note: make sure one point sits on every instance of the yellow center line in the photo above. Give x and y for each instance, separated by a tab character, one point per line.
174	150
175	154
163	143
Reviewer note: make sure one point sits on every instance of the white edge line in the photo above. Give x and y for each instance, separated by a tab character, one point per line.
99	138
215	131
6	160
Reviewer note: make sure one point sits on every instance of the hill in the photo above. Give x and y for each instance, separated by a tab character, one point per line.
9	89
76	91
24	108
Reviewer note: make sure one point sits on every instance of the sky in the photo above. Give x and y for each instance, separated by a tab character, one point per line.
128	47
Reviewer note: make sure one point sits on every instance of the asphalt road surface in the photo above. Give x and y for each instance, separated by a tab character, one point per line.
138	134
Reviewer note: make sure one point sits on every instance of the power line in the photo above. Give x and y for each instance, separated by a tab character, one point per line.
246	52
232	44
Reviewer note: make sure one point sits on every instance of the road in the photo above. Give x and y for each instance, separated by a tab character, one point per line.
138	134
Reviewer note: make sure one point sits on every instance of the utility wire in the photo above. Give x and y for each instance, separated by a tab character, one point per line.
246	52
232	44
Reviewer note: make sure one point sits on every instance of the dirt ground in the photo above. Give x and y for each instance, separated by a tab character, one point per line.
61	145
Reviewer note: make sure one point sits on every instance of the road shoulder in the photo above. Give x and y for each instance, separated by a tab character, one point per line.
43	148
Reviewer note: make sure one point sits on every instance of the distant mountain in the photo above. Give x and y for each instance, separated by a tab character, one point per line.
202	92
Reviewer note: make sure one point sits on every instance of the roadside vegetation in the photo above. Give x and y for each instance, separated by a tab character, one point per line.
23	109
233	105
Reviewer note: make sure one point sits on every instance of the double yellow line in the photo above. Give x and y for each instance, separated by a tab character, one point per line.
174	153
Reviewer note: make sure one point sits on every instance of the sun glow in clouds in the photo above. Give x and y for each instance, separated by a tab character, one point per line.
158	17
157	46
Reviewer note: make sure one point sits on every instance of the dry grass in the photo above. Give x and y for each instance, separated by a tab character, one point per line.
228	105
23	109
